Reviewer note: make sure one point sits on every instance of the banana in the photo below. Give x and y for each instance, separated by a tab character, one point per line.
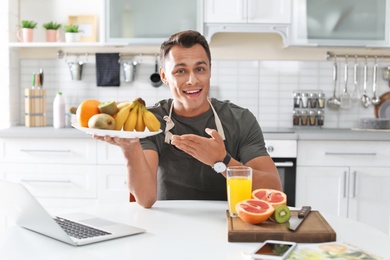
123	104
140	125
121	116
131	119
151	121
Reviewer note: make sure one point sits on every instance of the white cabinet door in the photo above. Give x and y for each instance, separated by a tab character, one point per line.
370	196
247	11
225	11
112	184
323	188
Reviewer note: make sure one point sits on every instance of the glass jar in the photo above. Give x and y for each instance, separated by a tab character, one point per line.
304	99
312	117
304	117
297	99
321	100
296	114
320	117
313	100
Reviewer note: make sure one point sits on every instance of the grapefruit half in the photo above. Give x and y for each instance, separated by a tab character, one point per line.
275	197
254	211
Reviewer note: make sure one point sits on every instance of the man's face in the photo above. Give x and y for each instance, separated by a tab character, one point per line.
187	71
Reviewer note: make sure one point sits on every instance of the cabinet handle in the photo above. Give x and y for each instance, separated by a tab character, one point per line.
44	151
364	154
284	164
345	184
48	181
354	184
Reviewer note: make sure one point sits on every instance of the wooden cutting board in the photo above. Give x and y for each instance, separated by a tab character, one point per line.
315	229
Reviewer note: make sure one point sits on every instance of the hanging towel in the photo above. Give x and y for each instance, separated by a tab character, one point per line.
107	69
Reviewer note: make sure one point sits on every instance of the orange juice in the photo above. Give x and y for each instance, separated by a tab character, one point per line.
239	188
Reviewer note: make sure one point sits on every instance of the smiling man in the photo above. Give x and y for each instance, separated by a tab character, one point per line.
201	135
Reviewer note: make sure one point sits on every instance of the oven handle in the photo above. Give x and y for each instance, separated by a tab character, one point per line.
284	164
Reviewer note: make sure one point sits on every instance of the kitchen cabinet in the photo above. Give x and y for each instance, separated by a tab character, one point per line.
247	11
357	23
247	16
349	179
149	22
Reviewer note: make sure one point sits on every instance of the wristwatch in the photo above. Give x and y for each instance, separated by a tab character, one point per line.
221	166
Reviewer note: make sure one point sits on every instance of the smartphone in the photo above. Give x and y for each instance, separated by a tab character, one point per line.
274	249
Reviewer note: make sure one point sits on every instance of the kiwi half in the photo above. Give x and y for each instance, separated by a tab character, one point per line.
281	214
108	107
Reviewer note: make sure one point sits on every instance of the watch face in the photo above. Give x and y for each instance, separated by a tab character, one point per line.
219	167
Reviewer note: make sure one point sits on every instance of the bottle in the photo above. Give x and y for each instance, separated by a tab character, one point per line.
59	111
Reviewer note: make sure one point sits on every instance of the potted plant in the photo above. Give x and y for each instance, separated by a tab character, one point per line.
25	34
52	32
72	33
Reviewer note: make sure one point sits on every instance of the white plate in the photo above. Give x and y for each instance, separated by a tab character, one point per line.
115	133
384	110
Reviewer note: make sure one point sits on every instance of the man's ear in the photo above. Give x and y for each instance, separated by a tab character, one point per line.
163	76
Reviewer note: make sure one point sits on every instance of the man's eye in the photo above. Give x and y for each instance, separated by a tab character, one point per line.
200	69
180	71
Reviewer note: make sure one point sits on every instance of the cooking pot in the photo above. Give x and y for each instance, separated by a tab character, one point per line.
155	78
129	70
76	69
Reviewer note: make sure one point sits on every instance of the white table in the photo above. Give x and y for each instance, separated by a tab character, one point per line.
175	230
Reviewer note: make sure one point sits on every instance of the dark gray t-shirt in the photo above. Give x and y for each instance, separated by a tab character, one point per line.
182	177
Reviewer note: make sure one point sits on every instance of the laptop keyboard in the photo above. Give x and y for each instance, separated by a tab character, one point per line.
78	230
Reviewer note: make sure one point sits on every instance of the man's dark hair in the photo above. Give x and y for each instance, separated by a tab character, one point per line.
185	39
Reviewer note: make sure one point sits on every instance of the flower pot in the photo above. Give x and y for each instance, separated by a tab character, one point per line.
72	37
25	34
52	35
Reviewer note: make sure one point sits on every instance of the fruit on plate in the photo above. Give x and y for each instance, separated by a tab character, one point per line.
108	107
86	110
102	121
275	197
122	115
254	211
151	121
281	214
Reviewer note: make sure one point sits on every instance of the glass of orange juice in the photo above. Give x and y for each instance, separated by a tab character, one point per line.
239	186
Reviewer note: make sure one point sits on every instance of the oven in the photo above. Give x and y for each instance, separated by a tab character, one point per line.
284	154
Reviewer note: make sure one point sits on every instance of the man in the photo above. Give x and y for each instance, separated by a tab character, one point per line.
201	135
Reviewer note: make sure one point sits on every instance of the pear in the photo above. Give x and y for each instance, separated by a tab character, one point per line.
102	121
108	107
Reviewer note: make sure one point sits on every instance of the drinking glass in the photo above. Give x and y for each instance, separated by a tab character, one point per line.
239	186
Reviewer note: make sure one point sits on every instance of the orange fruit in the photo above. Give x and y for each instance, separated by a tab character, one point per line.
275	197
86	110
254	211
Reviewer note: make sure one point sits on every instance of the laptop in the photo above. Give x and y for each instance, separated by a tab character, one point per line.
19	204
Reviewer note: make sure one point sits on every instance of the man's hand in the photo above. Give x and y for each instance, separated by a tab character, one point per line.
206	150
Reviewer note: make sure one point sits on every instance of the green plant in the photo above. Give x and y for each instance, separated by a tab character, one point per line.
72	28
28	24
52	26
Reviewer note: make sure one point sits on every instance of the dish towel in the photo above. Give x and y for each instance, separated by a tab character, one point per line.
107	69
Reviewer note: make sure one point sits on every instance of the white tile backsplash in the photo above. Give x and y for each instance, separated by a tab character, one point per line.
264	87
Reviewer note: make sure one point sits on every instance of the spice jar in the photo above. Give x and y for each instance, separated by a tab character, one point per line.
320	117
297	99
312	117
313	100
304	99
296	117
321	100
304	117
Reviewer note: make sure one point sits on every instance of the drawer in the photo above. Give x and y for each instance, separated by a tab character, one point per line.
343	153
109	154
112	184
55	181
48	151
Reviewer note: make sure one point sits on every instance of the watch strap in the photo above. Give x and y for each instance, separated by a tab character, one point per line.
227	159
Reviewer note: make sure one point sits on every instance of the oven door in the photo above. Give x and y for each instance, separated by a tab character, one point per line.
287	172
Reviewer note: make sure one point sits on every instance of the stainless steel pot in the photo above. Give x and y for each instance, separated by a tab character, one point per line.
129	70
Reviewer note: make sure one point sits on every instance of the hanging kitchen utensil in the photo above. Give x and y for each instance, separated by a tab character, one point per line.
386	74
334	102
365	99
129	70
76	69
355	93
375	99
345	99
155	78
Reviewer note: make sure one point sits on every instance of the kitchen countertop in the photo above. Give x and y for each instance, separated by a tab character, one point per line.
317	134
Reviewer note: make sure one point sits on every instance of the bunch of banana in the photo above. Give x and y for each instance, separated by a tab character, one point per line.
135	116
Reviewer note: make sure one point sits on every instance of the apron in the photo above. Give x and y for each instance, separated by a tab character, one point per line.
170	124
